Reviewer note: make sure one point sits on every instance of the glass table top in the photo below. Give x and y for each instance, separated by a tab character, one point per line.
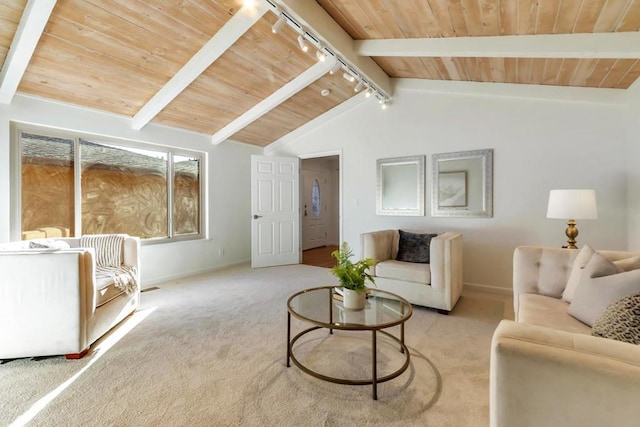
321	307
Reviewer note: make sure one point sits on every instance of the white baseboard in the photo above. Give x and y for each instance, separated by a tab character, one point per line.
164	279
487	288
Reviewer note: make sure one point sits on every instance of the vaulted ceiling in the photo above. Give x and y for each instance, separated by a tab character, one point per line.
217	67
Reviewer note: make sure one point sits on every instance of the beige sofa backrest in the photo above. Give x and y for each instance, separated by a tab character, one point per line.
545	271
383	245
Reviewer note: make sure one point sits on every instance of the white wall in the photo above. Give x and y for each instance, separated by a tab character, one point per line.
538	145
633	158
228	186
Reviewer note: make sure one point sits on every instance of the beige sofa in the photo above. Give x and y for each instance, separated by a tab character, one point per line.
437	284
53	303
546	368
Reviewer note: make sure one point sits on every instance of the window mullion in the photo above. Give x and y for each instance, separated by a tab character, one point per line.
77	188
170	186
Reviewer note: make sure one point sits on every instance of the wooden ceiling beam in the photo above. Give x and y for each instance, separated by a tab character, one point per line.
34	18
584	45
235	28
315	19
303	80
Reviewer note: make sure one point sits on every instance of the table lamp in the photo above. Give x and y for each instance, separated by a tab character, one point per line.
572	205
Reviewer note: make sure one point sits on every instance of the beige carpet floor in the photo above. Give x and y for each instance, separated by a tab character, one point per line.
211	351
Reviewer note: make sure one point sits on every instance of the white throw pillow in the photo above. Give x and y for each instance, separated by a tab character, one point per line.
628	264
580	262
601	284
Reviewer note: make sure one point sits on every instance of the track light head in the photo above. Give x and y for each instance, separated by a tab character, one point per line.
302	43
349	77
369	92
321	55
279	23
335	68
359	86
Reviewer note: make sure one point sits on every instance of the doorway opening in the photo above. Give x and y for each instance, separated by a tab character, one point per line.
320	209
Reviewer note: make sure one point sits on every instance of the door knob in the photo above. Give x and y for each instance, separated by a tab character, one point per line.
257	216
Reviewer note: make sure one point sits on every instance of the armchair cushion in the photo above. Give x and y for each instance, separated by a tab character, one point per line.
414	247
620	321
410	272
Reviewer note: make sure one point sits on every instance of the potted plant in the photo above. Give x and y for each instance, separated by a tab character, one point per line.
352	276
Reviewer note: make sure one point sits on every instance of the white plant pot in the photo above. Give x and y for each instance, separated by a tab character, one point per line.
353	300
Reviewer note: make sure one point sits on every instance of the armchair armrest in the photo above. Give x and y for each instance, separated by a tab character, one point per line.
541	270
446	264
540	374
378	245
43	303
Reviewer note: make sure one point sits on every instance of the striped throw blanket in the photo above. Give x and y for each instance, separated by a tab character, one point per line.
110	259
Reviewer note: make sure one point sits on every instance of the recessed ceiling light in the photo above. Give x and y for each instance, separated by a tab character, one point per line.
325	92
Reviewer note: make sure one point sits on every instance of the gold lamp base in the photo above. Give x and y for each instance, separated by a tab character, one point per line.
572	233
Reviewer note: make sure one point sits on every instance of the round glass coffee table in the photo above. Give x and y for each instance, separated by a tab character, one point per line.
321	308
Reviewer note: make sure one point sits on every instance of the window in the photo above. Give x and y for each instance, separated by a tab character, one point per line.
74	185
315	198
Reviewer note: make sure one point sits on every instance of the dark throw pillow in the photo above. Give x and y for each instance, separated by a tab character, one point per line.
414	247
620	321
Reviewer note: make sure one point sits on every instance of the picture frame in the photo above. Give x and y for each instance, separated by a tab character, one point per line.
478	166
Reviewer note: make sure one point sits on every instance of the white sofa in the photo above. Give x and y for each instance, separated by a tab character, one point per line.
546	368
437	284
53	303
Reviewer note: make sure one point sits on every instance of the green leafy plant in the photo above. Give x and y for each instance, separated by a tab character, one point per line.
351	275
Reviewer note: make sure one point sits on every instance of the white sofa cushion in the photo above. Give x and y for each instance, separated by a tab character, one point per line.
550	312
580	262
407	271
599	286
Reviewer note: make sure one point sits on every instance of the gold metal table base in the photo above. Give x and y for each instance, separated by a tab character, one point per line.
374	381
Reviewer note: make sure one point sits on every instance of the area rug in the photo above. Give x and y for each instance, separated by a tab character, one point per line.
211	350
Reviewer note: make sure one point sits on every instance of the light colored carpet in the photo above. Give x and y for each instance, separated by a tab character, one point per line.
211	350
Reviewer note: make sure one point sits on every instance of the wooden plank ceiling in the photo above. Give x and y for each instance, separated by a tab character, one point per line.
115	55
386	19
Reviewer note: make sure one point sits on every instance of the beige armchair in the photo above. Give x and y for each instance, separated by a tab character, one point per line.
437	284
52	301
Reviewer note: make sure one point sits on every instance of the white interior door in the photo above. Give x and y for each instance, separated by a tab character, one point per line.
315	195
275	210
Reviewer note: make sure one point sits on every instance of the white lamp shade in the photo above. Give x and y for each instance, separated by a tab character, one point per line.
572	204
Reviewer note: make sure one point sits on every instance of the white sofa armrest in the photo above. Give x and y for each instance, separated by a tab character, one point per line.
541	374
132	252
43	303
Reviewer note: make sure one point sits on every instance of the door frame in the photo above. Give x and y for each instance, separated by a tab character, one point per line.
315	155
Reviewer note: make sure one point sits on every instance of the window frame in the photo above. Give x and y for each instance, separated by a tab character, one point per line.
18	128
